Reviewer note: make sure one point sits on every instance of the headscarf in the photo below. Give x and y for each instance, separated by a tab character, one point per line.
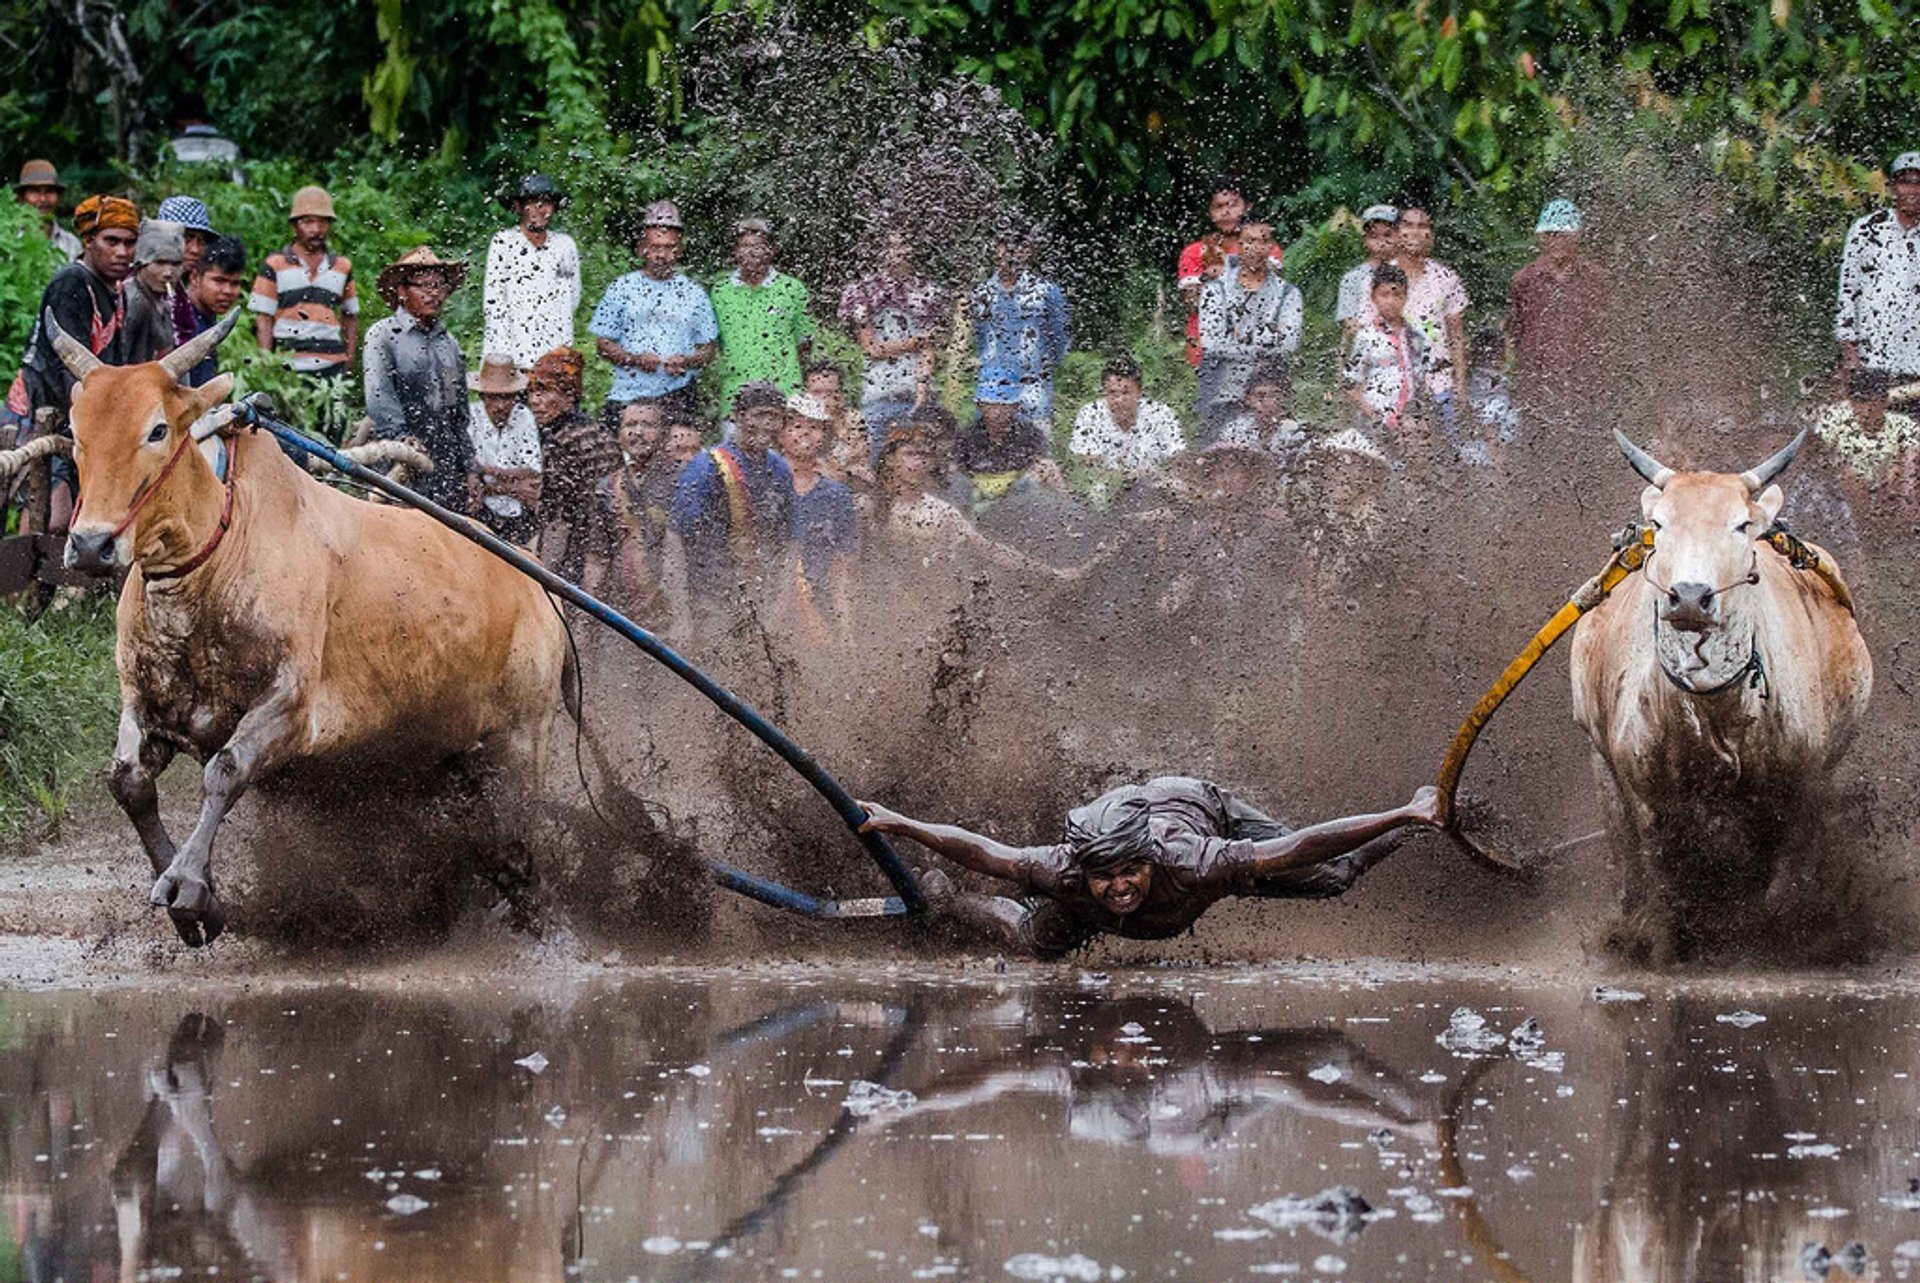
1110	831
98	213
561	370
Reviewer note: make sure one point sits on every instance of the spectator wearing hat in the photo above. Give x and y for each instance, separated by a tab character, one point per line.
85	298
1205	259
732	517
1249	314
825	529
655	326
196	230
416	376
196	226
1021	327
1557	317
305	301
531	290
579	451
765	331
1122	430
504	486
898	318
157	258
1878	322
39	185
1379	234
211	289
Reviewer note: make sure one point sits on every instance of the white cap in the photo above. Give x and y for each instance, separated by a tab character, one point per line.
1904	161
1379	214
808	406
1354	441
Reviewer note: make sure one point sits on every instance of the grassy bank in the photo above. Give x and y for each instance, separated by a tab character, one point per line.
59	698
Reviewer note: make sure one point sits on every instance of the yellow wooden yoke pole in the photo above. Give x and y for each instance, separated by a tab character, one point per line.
1635	546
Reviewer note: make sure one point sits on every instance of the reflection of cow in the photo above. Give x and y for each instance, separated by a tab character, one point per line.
270	620
1720	687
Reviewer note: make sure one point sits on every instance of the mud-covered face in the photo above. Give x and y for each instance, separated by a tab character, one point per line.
1122	888
1123	397
642	429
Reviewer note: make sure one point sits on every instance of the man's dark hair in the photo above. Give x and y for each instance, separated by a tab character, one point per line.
228	253
1121	367
1226	181
1389	274
824	366
1116	833
674	414
1254	216
936	419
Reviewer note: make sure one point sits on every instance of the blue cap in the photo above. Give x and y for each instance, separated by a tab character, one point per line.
190	213
1560	216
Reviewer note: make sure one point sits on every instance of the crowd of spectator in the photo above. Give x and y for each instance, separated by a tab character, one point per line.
729	457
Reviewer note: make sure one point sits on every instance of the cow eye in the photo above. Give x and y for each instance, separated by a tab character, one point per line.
158	434
1743	528
1657	527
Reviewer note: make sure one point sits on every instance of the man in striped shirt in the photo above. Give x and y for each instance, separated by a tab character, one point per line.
305	302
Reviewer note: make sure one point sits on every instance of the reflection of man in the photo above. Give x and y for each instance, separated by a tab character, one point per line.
1146	860
1146	1072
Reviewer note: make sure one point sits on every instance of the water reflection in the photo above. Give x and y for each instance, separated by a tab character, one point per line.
731	1127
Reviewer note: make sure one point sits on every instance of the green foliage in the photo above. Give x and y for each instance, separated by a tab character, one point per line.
27	261
59	698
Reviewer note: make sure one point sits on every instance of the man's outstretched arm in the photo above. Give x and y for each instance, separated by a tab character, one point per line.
1318	843
967	849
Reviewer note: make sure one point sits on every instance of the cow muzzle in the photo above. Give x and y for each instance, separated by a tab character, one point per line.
93	552
1691	607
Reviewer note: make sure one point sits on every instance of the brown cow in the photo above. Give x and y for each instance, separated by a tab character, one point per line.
1720	687
270	620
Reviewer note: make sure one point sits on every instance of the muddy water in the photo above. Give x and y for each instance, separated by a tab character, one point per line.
698	1125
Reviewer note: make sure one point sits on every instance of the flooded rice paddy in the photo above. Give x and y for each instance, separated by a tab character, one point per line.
840	1125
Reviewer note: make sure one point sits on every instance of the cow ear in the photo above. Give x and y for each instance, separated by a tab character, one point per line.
1649	497
210	394
1771	500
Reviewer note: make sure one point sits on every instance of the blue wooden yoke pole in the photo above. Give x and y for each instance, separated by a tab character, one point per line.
254	411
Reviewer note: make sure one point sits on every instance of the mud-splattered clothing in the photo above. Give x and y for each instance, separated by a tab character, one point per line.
1880	293
1203	838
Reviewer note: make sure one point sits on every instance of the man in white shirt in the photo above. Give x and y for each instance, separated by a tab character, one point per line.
1121	430
1248	315
506	450
1380	234
532	287
1878	323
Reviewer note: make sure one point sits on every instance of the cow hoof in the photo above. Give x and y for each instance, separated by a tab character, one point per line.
192	905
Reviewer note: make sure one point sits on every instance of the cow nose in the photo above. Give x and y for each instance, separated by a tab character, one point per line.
1690	604
90	551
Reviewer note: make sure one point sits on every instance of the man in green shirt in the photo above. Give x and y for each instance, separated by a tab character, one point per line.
765	331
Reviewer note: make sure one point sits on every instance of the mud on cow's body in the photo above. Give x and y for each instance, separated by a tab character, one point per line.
269	620
1720	687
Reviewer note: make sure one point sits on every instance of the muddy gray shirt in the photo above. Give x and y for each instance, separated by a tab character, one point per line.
1195	861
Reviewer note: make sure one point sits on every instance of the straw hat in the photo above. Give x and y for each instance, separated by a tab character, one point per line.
419	259
39	173
497	376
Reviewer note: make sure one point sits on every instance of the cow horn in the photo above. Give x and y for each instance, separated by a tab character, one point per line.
1656	473
72	351
1758	478
179	362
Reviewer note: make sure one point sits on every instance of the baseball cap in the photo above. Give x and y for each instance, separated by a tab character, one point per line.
187	211
1904	161
808	406
1560	216
1379	214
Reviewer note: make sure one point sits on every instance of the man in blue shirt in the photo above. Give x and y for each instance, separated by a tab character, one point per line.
656	326
1020	330
732	518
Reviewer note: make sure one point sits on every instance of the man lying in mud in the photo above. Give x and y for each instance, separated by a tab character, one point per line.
1146	860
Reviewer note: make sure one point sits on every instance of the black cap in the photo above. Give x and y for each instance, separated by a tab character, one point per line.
534	187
